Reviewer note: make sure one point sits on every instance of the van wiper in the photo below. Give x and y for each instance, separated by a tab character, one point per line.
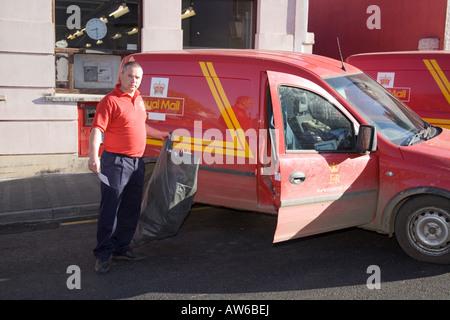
423	134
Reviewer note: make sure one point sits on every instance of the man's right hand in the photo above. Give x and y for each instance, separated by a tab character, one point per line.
94	164
94	145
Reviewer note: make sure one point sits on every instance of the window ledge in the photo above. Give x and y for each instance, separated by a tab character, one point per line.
70	97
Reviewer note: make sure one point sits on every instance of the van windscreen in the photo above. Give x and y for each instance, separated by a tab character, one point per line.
392	119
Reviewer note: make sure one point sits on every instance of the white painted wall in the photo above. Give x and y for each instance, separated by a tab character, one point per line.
447	28
282	25
161	25
29	125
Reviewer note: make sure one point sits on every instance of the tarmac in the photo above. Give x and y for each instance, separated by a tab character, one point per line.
50	198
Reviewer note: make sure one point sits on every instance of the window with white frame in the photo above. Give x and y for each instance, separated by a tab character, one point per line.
91	37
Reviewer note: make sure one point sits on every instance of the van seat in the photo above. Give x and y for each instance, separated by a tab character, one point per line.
303	116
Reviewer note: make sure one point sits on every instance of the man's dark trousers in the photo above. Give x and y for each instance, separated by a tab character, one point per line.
120	205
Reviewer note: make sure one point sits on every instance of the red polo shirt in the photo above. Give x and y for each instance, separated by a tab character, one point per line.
121	118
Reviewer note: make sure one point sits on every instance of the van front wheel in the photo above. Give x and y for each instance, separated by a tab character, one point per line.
422	229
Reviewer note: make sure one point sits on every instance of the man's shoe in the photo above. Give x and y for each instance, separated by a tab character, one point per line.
102	265
129	256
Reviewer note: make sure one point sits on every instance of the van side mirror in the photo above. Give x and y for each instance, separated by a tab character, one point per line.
367	139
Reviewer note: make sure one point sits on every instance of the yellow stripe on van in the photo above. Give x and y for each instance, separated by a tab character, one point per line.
438	76
203	145
219	95
443	123
226	111
238	145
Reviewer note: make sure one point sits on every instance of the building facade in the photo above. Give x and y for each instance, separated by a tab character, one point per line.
378	26
58	58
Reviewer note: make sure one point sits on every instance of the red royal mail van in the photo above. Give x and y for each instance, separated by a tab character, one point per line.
417	78
298	136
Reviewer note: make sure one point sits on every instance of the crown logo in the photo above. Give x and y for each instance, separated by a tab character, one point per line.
334	168
385	81
158	88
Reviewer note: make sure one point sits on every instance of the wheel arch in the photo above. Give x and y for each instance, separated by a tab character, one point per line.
393	207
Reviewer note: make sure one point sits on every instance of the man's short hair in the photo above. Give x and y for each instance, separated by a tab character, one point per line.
132	64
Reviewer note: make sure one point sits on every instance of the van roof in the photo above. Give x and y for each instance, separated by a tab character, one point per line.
320	65
405	53
397	60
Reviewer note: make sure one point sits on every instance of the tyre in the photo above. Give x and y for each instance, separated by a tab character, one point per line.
422	229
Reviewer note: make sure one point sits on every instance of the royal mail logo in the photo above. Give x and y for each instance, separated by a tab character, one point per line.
168	106
334	168
334	174
386	79
159	87
403	94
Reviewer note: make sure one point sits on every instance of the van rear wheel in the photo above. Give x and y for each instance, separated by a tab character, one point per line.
422	229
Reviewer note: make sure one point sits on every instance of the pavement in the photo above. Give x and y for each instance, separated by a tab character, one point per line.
49	197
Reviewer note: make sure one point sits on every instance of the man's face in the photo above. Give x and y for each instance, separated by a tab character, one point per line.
131	79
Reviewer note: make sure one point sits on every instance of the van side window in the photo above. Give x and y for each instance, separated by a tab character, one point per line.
312	123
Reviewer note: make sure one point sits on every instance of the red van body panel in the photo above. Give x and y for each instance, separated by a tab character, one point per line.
420	79
216	80
230	106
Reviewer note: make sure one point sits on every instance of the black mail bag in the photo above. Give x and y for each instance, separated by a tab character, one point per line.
168	195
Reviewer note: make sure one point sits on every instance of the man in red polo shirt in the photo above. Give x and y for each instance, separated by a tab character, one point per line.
121	118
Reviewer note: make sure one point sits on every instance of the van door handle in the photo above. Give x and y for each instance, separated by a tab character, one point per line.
297	177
